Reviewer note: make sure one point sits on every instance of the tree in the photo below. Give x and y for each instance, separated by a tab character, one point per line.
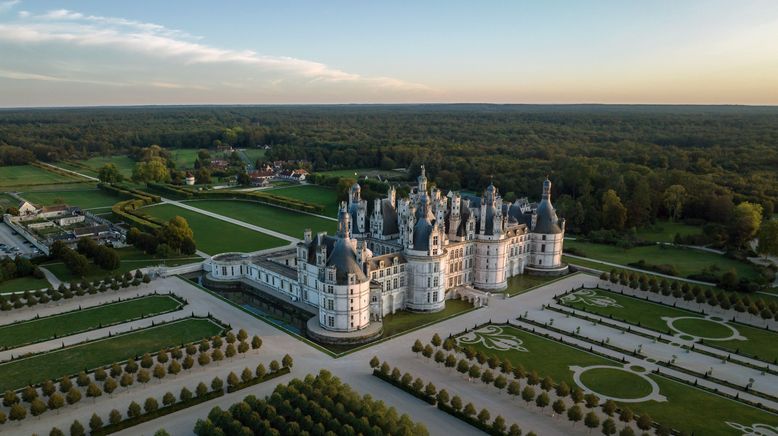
443	396
37	406
243	347
627	431
591	400
462	366
745	222
430	389
95	423
230	351
644	421
217	384
159	372
547	383
232	379
287	361
133	410
559	406
562	389
143	376
73	396
528	394
768	239
274	366
109	385
83	379
484	416
152	170
374	362
514	430
17	412
150	405
469	410
76	429
542	400
168	398
673	200
499	424
93	391
436	341
614	214
10	398
56	401
626	415
417	347
456	403
260	371
185	394
474	372
609	407
203	359
29	393
174	367
592	420
48	387
246	375
115	416
201	389
256	342
574	414
500	382
608	427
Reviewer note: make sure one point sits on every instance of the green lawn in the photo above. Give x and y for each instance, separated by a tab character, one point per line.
131	259
616	383
686	260
215	236
281	220
41	329
20	175
405	320
83	198
70	360
649	315
254	153
683	410
363	172
91	166
6	201
314	194
523	282
665	231
28	283
184	157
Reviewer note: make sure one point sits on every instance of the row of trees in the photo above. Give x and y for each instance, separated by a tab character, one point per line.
103	256
175	237
317	405
726	300
18	267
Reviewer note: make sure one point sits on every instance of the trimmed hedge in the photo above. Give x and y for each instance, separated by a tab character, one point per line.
409	389
130	422
486	428
258	380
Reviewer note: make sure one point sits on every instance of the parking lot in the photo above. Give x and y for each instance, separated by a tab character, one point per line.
12	244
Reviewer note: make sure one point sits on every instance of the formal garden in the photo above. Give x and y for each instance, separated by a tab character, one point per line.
669	403
20	372
692	326
81	320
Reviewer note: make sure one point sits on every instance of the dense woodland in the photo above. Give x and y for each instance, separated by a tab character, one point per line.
613	167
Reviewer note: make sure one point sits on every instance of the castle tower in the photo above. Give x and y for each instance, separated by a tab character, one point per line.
547	236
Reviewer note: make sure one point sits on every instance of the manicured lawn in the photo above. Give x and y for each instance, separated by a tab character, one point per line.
131	259
687	408
362	172
405	320
686	260
6	201
665	231
28	283
14	335
314	194
70	360
184	157
83	198
521	283
649	315
90	167
274	218
215	236
616	383
16	176
254	153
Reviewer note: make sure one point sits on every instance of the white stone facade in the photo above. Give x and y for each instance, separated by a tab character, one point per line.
412	253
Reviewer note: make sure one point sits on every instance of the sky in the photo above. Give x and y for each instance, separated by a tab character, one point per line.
86	53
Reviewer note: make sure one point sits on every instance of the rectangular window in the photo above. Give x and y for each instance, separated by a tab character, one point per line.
435	296
331	321
543	248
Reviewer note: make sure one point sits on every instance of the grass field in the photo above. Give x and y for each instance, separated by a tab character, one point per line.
314	194
649	315
254	153
274	218
687	261
28	283
83	198
366	172
7	201
36	330
21	372
687	408
91	166
131	259
20	175
184	157
521	283
665	231
214	236
405	320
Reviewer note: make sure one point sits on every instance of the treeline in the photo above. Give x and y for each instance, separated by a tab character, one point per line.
18	267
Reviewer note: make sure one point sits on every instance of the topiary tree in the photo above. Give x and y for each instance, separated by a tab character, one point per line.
174	367
232	379
456	403
418	384
436	341
644	422
185	394
93	391
115	417
168	399
406	379
126	380
626	415
417	347
484	416
56	401
287	361
528	394
246	375
500	382
37	406
260	372
469	410
73	396
256	342
48	387
150	405
574	414
217	384
116	370
146	361
474	372
514	388
498	425
559	406
430	389
427	351
609	407
201	389
374	362
17	412
542	400
83	379
591	420
95	423
608	427
487	377
562	389
592	401
29	393
159	372
76	429
143	376
442	396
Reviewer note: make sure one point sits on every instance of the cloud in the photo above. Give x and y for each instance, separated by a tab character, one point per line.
8	5
157	41
22	75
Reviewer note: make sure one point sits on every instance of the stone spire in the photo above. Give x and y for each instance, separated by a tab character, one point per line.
422	180
344	221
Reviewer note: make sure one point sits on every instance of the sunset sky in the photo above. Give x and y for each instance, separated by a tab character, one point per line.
57	53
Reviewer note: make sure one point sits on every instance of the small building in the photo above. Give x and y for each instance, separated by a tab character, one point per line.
190	179
69	219
27	208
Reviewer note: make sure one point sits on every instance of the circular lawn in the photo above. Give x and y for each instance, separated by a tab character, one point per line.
703	328
616	383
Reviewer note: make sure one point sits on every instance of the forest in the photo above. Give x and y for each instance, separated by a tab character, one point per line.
613	167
